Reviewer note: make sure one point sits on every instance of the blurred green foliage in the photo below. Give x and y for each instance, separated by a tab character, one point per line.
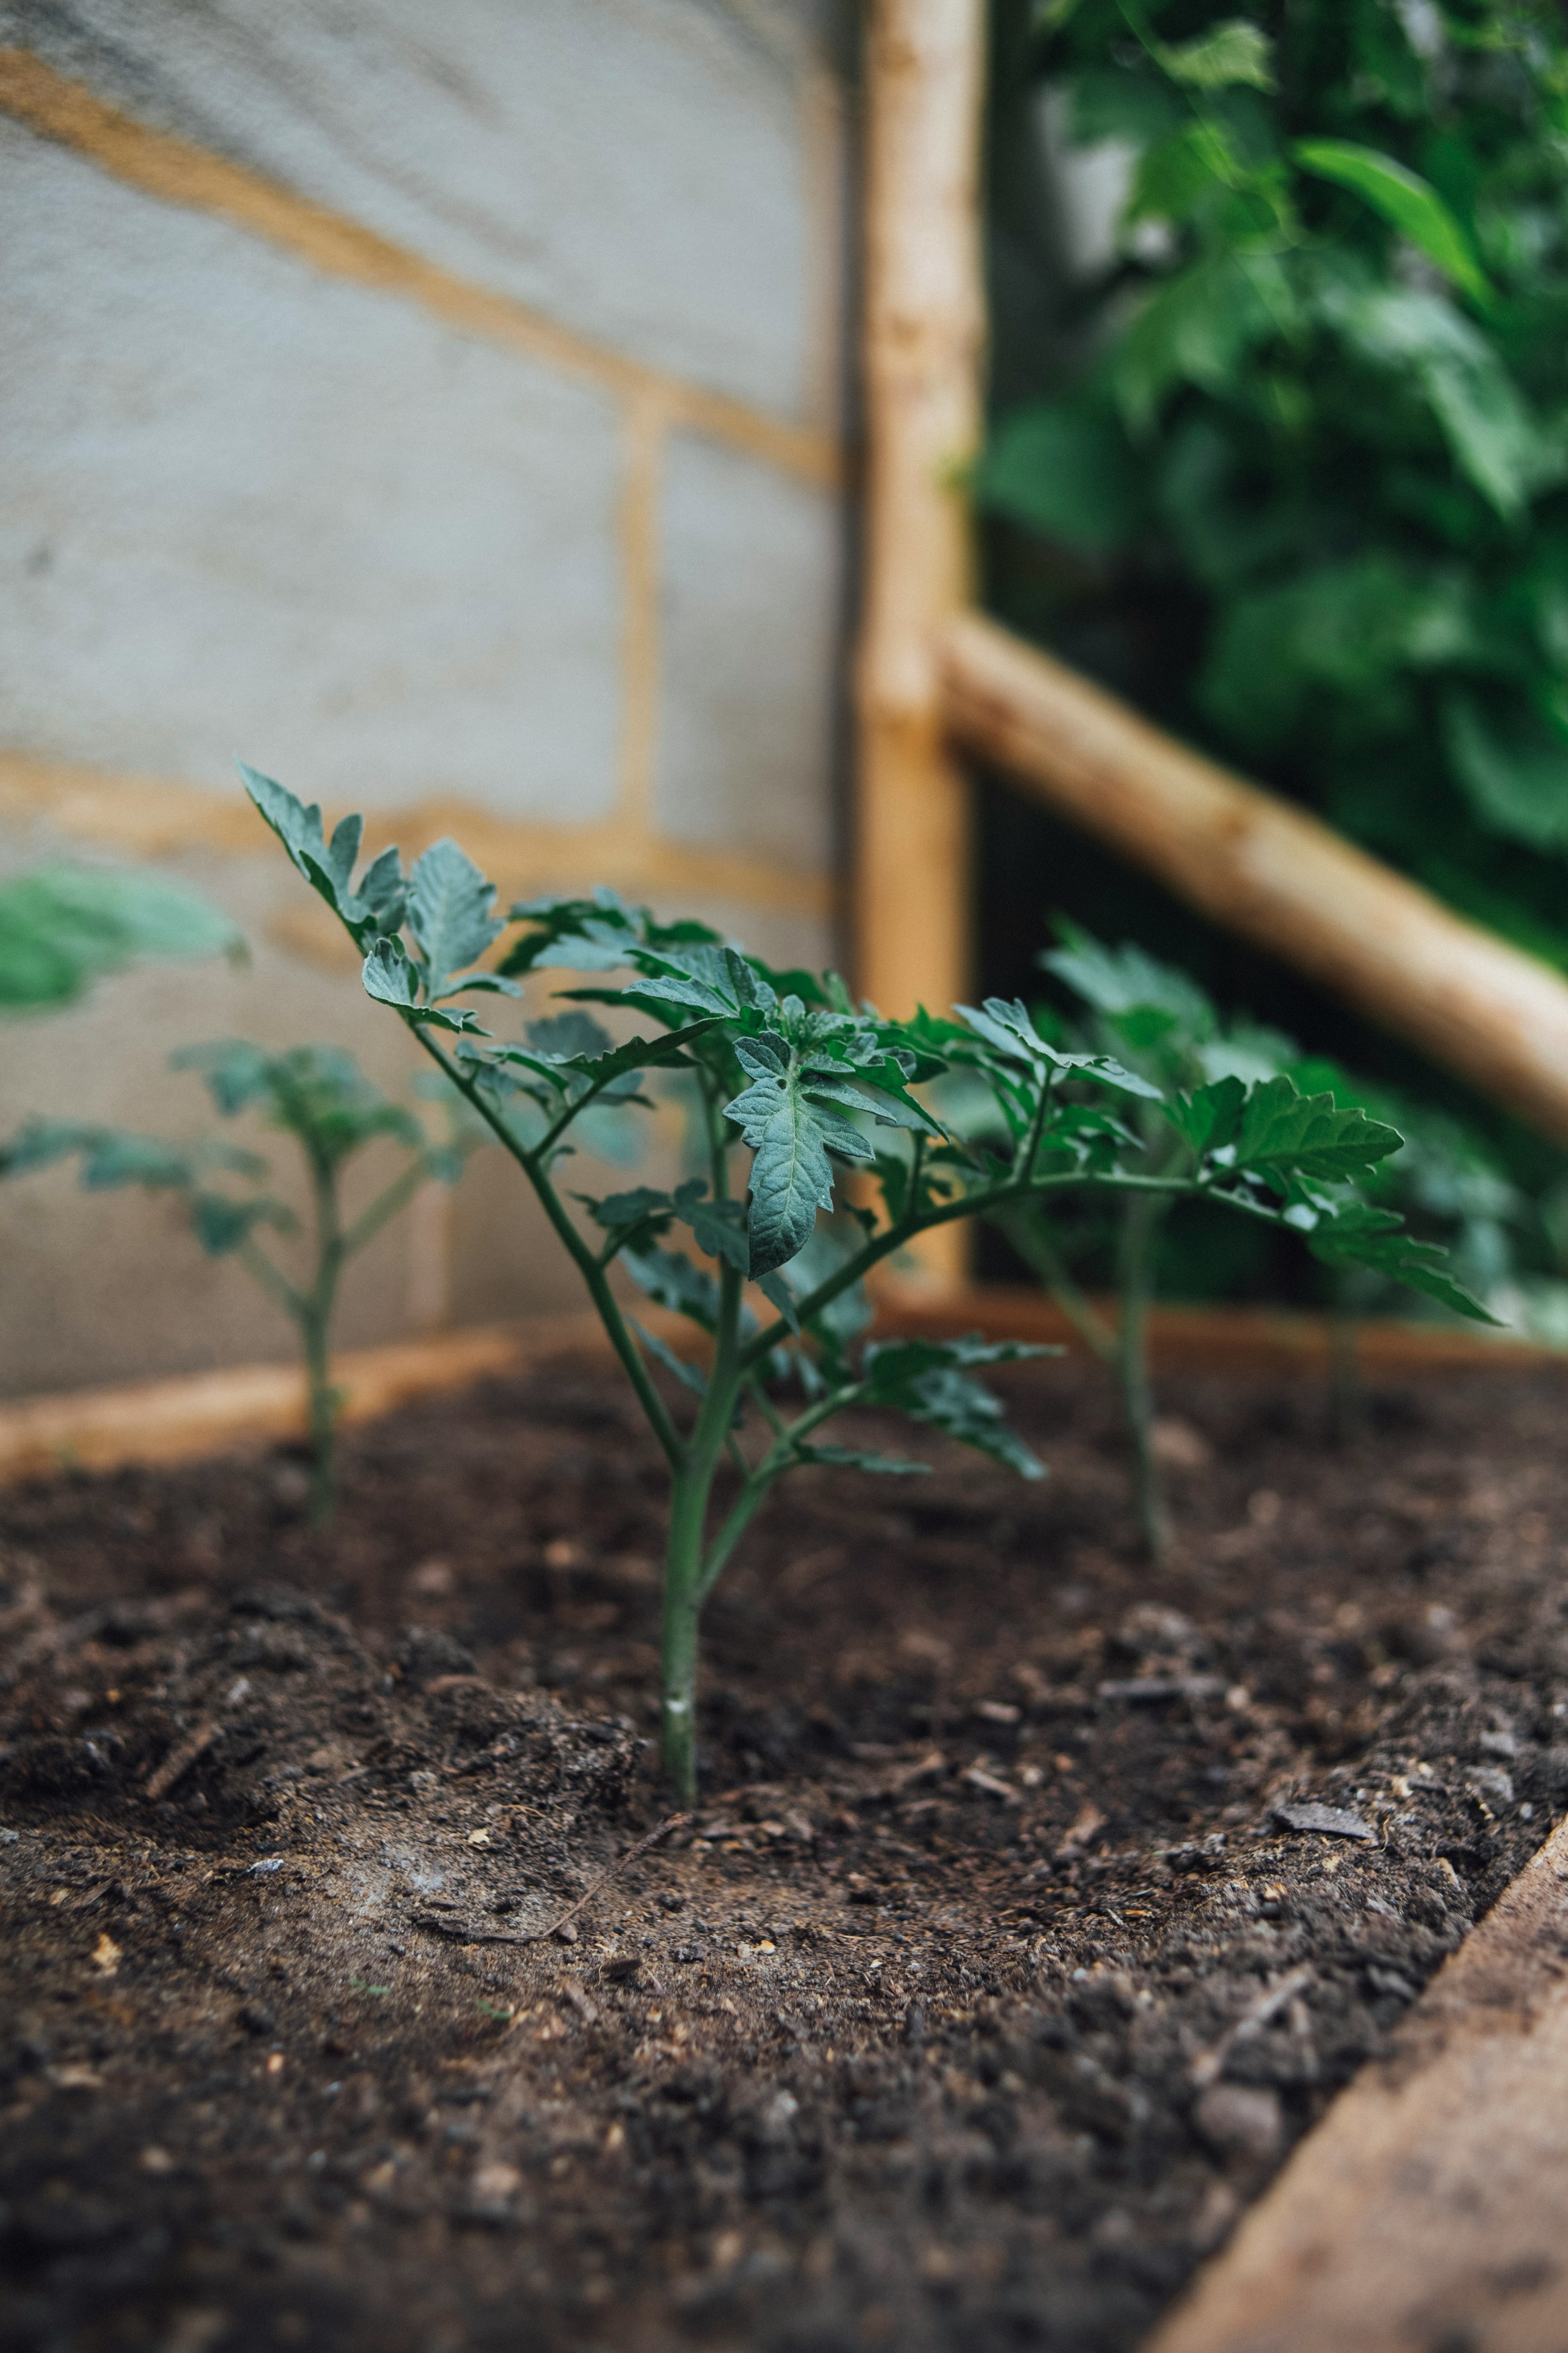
1288	462
63	927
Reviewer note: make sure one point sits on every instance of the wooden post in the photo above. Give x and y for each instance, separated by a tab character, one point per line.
924	327
1268	871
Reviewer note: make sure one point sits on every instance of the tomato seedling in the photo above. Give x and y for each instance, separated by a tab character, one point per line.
788	1068
320	1097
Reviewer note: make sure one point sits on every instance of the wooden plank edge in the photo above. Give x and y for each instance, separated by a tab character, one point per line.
195	1414
1223	1339
1425	2213
1266	869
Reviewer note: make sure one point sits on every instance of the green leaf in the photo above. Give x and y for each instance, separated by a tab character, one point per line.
1357	1234
1185	175
1125	980
783	1116
113	1159
671	1281
932	1382
692	1376
638	1054
1123	102
779	1295
1353	628
449	914
222	1225
1409	203
1228	54
1283	1134
62	927
1066	472
393	979
856	1458
1210	1118
318	1094
376	910
1513	769
718	1227
569	1037
1420	337
1197	329
792	1176
1008	1030
619	1212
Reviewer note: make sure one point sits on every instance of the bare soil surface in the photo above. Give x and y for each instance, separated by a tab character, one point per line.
987	1985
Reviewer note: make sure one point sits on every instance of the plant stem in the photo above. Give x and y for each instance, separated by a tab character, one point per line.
1043	1256
385	1206
1140	1224
584	1259
980	1204
682	1616
316	1325
684	1587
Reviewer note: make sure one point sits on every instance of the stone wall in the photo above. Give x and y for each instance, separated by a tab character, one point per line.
439	408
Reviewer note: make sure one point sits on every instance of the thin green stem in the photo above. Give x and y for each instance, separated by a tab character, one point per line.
272	1279
779	1459
386	1207
317	1324
1046	1261
978	1204
1139	1228
584	1259
684	1589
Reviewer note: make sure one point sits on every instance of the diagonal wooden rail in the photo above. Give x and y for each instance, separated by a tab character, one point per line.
1266	869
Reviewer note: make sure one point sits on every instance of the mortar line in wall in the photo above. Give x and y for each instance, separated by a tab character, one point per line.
168	816
646	426
175	171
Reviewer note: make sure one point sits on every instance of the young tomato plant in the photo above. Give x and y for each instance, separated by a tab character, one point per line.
63	927
320	1097
1168	1028
789	1069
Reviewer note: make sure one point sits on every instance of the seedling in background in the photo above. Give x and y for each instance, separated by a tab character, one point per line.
1169	1030
63	927
320	1097
789	1070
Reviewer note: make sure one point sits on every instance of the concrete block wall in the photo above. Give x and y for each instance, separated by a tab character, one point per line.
439	408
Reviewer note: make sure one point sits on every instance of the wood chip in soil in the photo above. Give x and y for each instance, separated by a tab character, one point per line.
1000	1968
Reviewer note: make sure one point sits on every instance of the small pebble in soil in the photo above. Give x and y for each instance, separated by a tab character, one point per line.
1239	2123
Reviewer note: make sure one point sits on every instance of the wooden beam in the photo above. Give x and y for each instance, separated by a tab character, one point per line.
1249	1343
192	1415
1266	869
1428	2208
195	1414
924	323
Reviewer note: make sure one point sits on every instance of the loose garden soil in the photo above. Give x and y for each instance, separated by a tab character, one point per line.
998	1969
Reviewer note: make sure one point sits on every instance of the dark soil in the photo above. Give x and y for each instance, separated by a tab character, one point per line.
987	1986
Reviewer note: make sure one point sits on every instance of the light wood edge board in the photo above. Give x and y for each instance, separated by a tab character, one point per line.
197	1414
193	1415
1268	871
1425	2213
1254	1341
159	816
